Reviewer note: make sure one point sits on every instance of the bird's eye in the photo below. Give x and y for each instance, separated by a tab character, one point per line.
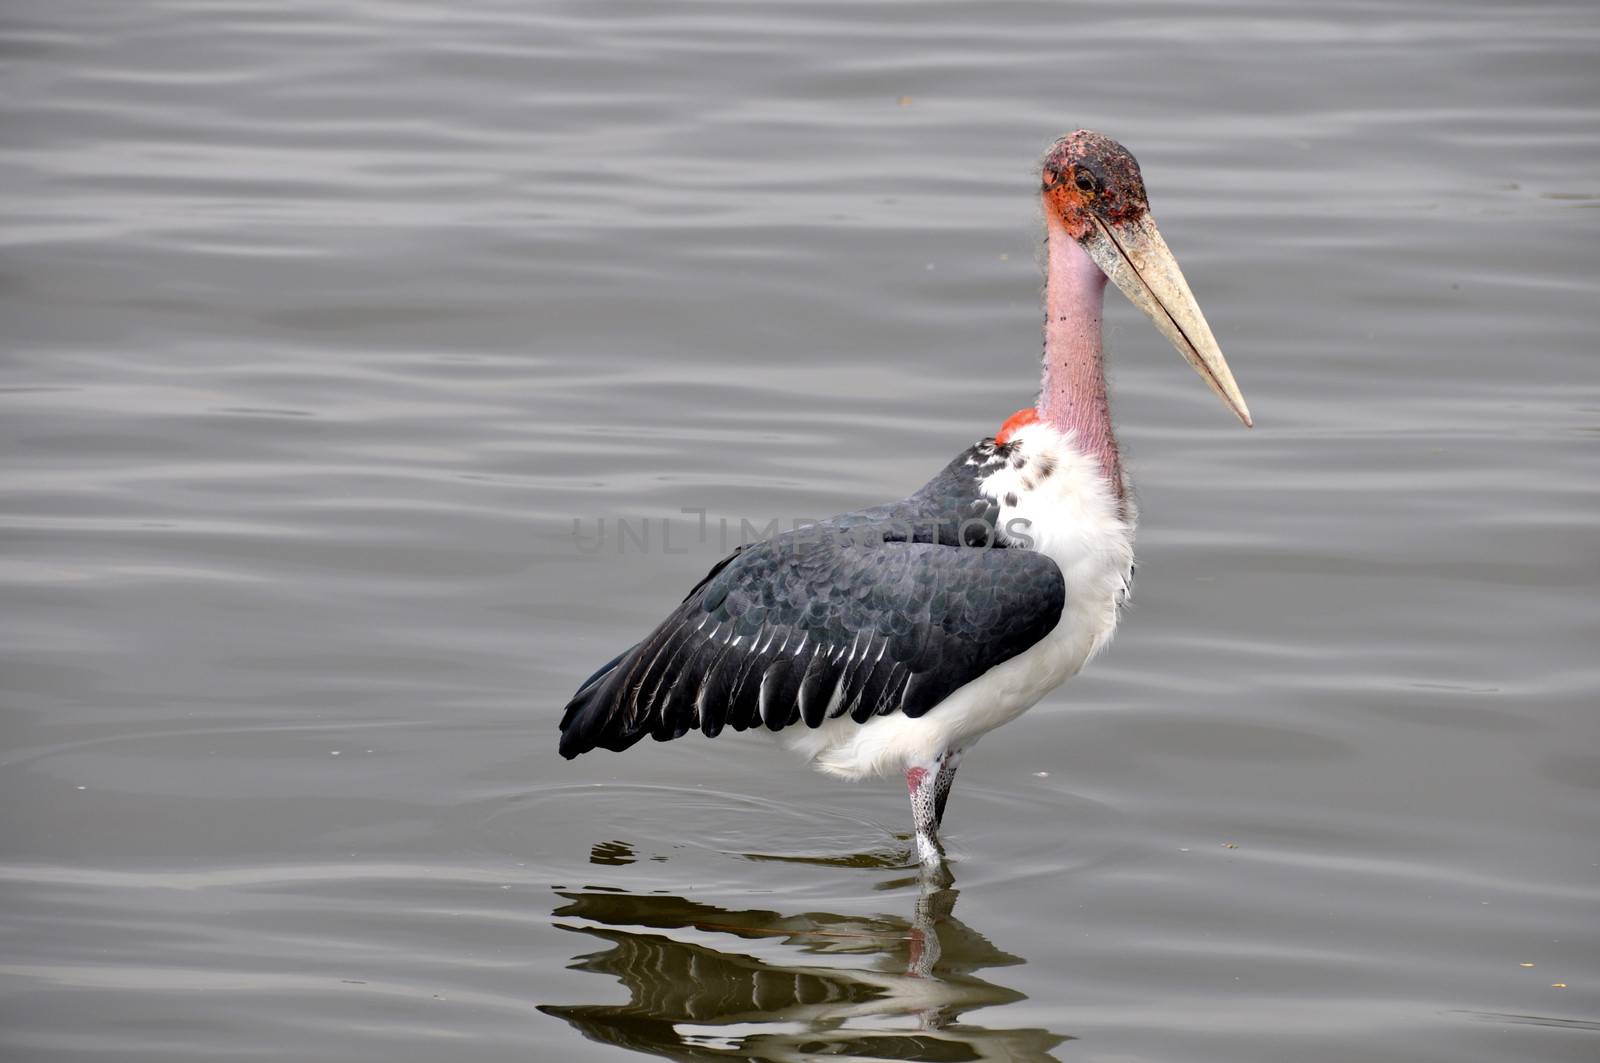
1085	181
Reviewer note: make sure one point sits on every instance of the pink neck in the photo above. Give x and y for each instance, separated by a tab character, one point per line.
1072	395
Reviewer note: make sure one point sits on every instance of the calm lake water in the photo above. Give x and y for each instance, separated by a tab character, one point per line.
323	324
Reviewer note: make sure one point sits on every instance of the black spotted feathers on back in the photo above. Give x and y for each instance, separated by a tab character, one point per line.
890	609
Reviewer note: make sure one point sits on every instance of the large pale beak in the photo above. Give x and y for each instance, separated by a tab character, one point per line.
1136	258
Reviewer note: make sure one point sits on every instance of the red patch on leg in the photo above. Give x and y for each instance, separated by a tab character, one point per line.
914	777
1016	423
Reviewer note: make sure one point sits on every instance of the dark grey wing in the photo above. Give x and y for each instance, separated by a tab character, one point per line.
805	627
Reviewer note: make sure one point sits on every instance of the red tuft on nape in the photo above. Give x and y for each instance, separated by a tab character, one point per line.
1016	423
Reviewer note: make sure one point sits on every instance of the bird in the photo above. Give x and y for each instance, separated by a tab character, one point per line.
888	640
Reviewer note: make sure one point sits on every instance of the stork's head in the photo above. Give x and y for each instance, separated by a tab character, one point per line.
1093	194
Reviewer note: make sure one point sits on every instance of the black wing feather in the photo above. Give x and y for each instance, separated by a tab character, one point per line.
816	688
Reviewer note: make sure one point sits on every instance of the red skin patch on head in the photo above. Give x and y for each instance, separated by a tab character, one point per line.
1114	189
914	777
1016	423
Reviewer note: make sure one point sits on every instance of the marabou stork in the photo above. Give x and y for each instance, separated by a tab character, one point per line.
890	639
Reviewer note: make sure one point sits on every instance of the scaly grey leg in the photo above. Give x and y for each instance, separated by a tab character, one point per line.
929	786
920	780
942	782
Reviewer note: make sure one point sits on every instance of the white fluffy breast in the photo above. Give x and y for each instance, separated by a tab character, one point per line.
1053	498
1056	500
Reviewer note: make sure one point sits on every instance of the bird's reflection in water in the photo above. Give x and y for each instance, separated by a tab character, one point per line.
900	998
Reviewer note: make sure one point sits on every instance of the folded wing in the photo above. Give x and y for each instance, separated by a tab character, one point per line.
806	627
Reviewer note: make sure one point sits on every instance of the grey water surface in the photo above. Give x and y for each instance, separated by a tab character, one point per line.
332	333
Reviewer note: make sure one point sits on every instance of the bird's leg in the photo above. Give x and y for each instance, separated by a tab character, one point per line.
942	782
924	818
927	803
